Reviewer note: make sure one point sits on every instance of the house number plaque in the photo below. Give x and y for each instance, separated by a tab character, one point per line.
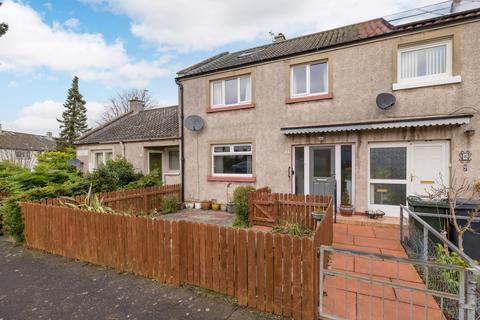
465	156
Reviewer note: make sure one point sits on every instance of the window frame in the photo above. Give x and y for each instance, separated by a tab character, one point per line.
169	167
428	80
103	152
22	155
223	103
307	83
230	153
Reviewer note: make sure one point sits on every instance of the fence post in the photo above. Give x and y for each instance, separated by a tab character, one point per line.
320	285
471	282
145	203
425	251
401	224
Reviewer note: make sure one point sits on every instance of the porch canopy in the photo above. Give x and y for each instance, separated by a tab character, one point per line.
430	121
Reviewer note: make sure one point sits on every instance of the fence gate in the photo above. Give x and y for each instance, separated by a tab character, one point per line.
372	286
263	212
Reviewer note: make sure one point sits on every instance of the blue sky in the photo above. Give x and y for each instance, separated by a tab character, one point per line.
114	45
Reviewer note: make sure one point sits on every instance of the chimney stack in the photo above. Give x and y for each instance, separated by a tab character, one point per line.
279	37
455	5
0	128
49	135
136	105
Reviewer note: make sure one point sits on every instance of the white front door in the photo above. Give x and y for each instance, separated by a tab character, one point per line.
397	170
429	167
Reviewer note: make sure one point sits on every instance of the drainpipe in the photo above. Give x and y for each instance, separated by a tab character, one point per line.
180	105
122	146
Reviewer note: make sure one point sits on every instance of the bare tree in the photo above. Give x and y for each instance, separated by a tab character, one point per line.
3	26
119	104
458	189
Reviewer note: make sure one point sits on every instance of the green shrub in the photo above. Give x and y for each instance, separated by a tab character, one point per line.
170	204
240	198
152	179
293	229
12	220
115	174
55	160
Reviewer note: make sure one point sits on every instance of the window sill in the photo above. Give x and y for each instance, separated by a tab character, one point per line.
319	97
429	83
231	108
231	179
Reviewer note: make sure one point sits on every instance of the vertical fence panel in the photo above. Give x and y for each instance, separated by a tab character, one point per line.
252	270
287	276
242	265
278	273
231	262
269	272
307	279
297	278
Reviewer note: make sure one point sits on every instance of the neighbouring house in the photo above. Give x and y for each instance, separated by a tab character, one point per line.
23	148
147	138
305	115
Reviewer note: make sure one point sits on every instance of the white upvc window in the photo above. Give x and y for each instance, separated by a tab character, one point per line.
425	65
230	92
309	79
100	157
173	160
232	159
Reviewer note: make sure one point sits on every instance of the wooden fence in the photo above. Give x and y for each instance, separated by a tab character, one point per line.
136	201
268	209
270	272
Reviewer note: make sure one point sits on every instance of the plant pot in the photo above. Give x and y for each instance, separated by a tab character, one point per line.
223	207
318	216
189	205
206	204
346	210
215	206
198	205
231	207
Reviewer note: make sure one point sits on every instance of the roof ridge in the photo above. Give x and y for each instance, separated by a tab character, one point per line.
26	133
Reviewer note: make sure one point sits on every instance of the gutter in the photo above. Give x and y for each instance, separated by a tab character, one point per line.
180	106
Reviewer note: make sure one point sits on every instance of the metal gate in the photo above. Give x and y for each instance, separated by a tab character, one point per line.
380	291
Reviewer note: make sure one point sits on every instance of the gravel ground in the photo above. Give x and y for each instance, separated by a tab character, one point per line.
35	285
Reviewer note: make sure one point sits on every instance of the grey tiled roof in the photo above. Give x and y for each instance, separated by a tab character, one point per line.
314	42
25	141
150	124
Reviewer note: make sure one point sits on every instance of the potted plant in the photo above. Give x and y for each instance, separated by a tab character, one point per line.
318	214
206	204
215	205
346	208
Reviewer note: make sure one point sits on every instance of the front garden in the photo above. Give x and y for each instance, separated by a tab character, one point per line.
53	177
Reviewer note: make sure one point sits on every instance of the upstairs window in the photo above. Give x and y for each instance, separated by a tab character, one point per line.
426	64
309	79
230	92
235	159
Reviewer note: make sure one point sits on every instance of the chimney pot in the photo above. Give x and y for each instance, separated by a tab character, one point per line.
279	37
0	128
136	105
49	135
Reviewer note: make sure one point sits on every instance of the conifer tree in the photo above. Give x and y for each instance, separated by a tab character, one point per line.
74	118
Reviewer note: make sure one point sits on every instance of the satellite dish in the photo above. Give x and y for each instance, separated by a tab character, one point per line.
385	101
194	123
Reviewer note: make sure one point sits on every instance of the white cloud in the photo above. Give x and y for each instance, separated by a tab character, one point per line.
12	84
206	24
41	117
31	44
48	5
72	23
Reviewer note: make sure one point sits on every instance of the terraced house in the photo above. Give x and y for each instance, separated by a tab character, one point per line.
380	109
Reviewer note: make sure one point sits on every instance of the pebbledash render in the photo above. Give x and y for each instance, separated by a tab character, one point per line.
300	114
